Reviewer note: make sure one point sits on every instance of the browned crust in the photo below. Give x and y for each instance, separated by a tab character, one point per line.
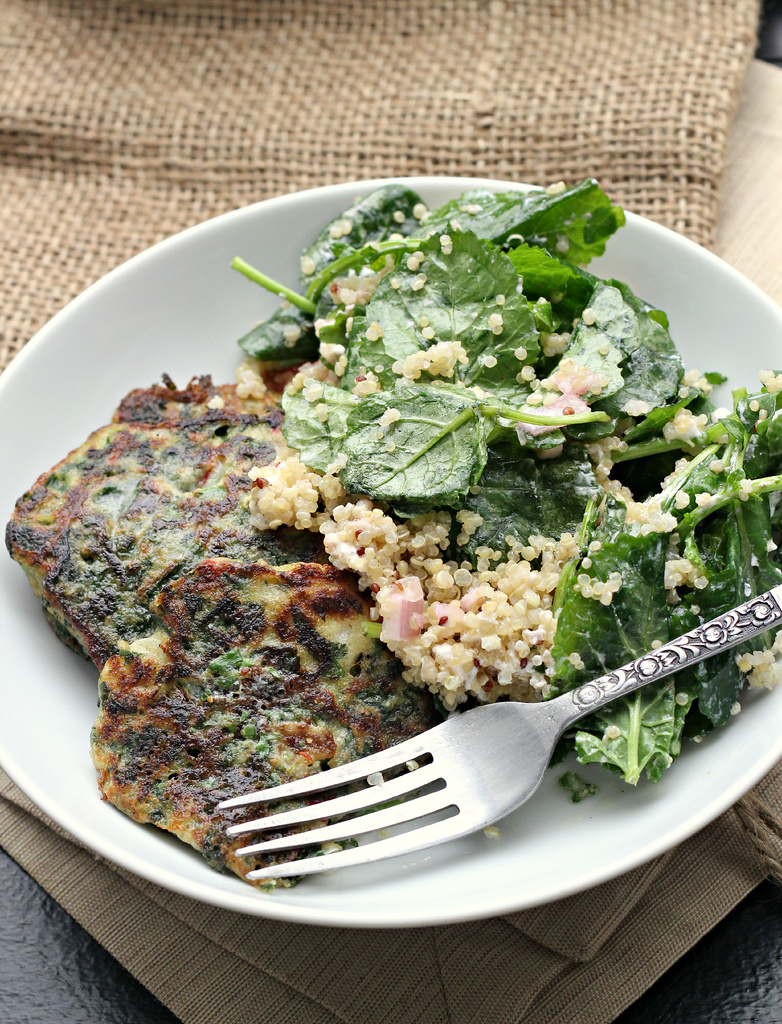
168	743
97	568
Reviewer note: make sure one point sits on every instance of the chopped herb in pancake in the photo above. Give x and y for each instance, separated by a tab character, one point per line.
257	676
141	502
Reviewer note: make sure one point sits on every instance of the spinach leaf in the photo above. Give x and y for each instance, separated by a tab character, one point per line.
318	441
522	496
438	447
574	224
386	211
451	296
276	340
599	637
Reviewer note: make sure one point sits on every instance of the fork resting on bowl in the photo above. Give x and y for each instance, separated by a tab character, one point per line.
477	766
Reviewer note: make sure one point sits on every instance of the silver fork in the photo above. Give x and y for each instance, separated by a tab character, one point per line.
482	764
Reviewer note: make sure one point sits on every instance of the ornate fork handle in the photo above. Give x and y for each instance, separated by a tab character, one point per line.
734	627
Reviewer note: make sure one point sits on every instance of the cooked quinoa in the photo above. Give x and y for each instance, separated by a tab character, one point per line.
485	631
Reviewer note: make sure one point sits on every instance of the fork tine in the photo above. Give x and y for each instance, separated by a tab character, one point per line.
359	769
409	842
386	818
347	804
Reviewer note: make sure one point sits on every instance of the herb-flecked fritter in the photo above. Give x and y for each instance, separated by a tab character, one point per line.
258	676
140	503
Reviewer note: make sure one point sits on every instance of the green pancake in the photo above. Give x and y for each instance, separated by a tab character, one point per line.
257	676
141	502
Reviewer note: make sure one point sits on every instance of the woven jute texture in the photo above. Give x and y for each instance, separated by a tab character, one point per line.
122	122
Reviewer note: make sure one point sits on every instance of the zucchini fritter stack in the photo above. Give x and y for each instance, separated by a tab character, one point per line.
140	503
257	676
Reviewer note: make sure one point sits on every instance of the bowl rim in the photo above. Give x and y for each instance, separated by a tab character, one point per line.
263	905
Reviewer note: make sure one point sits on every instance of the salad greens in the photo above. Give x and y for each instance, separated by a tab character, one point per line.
475	364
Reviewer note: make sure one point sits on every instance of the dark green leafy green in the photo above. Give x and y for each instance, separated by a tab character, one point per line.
574	223
599	345
541	442
649	723
318	442
371	219
652	424
763	427
731	547
522	496
593	638
606	636
566	287
544	315
452	296
651	367
373	257
438	447
333	331
276	340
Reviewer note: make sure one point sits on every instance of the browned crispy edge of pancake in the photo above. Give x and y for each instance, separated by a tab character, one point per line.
145	710
167	404
40	551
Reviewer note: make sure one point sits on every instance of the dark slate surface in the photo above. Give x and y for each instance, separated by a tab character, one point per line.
52	972
770	41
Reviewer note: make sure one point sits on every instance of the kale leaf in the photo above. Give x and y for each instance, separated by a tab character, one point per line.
731	547
438	447
521	496
763	427
574	224
598	345
449	296
318	441
595	637
386	211
269	340
651	367
654	421
567	288
649	724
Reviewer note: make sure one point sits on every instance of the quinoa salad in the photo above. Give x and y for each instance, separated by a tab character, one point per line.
510	455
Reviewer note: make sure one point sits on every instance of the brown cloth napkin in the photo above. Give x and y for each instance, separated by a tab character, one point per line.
122	123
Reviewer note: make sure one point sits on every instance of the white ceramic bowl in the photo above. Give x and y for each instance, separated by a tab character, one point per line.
178	308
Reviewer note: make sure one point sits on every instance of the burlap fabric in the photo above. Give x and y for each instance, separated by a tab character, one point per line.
122	123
